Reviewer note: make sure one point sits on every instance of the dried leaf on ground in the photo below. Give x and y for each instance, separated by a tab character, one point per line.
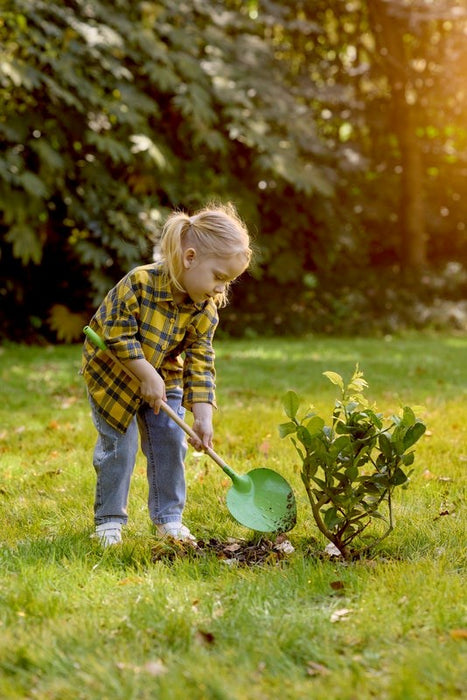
205	637
315	669
337	585
341	614
154	668
458	634
429	476
332	550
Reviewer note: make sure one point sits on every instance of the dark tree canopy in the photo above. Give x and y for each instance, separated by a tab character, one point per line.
337	128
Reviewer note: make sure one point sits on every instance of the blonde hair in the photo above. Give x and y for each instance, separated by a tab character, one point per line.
215	231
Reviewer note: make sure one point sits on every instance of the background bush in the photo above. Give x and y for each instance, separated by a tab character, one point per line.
114	113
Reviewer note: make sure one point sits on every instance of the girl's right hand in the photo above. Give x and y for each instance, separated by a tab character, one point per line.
152	387
153	391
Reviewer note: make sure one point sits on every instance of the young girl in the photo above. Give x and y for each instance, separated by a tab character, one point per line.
155	315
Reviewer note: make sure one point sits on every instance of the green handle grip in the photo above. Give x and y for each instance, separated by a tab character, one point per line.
94	338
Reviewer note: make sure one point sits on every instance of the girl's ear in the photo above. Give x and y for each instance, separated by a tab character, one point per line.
189	256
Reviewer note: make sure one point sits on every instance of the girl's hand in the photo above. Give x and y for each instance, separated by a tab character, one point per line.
153	392
202	426
152	387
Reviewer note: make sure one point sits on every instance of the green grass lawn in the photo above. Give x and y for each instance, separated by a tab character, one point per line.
79	623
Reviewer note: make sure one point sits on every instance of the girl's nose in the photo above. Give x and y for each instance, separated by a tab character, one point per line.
219	288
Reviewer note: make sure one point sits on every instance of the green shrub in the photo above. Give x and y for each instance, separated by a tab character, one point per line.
351	467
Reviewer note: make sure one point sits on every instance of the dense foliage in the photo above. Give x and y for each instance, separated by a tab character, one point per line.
114	113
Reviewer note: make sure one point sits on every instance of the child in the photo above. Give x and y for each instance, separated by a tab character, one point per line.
153	316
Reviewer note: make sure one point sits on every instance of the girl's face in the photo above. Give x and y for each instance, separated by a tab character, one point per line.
205	277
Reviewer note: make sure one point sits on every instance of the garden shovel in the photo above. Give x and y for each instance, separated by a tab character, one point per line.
261	500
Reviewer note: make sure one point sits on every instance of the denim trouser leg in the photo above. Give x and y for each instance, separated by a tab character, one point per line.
164	446
114	461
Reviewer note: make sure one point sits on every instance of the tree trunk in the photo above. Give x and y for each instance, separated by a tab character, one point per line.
389	33
413	253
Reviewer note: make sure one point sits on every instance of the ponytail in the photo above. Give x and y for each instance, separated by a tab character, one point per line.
172	244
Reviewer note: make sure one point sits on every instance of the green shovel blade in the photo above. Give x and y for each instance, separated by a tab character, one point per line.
267	506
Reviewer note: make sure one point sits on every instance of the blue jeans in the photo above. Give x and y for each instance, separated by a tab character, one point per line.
164	446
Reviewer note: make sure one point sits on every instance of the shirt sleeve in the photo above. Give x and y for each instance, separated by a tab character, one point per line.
118	320
198	368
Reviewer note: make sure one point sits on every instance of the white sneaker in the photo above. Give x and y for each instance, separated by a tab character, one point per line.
109	533
176	530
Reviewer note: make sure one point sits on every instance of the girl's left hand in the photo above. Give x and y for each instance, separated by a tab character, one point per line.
202	426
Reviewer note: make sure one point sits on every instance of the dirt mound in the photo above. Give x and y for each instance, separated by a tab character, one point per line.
232	551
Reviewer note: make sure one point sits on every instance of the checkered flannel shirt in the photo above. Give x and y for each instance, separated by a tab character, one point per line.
140	319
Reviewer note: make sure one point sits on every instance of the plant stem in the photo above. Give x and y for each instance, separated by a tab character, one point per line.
315	508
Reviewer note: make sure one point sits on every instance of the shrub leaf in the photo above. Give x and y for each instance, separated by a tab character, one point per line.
335	379
291	402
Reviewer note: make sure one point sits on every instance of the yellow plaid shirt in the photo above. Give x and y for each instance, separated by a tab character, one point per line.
140	319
